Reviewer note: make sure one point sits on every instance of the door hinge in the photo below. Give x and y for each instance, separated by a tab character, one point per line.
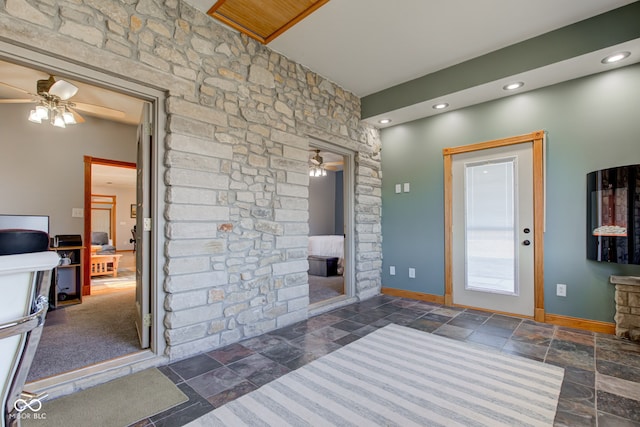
146	320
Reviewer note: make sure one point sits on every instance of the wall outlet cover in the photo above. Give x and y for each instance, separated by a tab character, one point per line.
407	187
392	270
561	290
398	188
412	273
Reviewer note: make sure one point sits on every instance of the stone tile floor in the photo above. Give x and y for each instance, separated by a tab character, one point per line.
602	373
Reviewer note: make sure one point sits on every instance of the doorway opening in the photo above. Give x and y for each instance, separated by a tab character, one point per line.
110	113
330	224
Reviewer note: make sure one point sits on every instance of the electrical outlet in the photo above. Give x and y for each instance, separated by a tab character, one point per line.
412	273
392	270
561	290
77	212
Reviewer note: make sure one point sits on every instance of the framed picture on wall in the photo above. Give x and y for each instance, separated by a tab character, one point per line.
133	211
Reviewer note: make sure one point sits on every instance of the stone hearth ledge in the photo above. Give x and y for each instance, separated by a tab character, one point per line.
625	280
627	300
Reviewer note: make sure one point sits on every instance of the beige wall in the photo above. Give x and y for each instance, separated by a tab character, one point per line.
42	167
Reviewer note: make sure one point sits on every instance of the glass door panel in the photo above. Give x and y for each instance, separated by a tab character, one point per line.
490	227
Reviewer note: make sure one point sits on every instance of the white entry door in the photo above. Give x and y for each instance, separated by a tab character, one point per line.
492	224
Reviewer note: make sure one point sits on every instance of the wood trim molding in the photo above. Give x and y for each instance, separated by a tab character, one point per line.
584	324
86	273
554	319
88	162
437	299
262	21
536	138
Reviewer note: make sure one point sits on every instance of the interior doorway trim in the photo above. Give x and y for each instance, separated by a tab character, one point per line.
537	138
155	95
349	203
88	163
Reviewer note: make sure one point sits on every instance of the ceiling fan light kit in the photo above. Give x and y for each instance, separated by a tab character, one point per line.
53	105
316	165
57	115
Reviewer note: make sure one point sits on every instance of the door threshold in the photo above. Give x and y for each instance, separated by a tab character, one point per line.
330	304
89	376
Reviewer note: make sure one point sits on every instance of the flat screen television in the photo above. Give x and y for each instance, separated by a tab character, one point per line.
25	222
613	215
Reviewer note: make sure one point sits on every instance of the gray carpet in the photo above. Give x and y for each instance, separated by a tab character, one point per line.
75	336
322	288
399	376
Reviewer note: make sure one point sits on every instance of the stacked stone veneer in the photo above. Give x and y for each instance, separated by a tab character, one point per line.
627	298
239	122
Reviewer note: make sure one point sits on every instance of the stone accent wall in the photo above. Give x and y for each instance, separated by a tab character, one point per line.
240	117
627	298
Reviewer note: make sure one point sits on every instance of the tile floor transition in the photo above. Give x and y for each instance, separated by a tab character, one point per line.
602	373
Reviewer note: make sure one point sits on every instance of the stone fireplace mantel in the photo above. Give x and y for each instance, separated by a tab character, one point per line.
627	306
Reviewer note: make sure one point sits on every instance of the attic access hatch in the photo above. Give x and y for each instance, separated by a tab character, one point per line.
263	20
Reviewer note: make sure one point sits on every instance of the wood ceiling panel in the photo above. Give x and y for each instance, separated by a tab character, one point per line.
263	20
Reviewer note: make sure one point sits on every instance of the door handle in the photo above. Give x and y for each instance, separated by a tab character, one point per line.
526	243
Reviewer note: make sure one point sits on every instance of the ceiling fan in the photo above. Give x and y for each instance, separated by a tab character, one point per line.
317	165
53	103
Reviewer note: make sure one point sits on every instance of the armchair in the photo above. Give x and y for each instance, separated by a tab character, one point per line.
101	238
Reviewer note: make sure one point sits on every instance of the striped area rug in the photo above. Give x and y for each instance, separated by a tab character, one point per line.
398	376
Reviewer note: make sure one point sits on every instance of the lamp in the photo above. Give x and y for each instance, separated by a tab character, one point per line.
315	171
316	165
55	110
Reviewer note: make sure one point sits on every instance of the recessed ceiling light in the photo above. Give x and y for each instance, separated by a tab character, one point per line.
384	121
615	57
441	106
513	86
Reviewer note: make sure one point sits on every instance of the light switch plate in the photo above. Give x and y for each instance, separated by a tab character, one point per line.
412	273
392	270
77	212
398	188
406	187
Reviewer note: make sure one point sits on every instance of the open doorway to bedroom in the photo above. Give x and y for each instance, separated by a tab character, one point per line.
329	220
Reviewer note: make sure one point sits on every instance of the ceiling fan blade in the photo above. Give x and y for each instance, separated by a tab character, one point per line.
76	116
17	101
15	88
96	109
63	89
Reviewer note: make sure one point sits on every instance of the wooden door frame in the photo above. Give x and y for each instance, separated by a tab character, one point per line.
537	139
88	162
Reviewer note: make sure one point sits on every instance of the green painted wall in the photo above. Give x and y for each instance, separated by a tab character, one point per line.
592	123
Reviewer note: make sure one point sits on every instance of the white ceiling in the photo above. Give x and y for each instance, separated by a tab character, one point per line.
111	176
366	46
24	80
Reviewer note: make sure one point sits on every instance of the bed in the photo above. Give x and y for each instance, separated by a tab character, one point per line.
328	246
